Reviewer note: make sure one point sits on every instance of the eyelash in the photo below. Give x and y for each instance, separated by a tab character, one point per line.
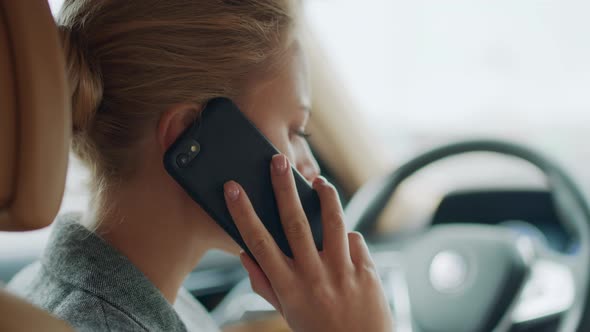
303	134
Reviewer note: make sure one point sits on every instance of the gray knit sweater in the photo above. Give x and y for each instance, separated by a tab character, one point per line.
88	283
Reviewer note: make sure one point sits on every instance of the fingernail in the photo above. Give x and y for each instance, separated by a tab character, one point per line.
319	181
279	164
242	253
231	190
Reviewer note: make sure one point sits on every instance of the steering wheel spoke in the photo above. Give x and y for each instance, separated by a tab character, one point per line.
549	289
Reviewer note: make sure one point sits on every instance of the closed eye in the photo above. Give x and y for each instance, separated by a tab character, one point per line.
302	133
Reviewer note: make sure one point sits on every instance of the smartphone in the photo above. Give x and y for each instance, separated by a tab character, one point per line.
224	145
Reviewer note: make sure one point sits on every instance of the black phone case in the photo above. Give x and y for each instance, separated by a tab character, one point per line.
230	147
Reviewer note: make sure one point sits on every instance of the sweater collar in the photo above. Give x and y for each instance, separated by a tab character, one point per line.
83	259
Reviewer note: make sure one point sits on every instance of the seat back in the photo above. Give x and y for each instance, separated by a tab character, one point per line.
34	137
34	116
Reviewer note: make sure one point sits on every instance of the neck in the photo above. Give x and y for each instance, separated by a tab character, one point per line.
151	230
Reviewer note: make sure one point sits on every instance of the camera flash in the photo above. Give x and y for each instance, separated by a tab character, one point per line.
194	148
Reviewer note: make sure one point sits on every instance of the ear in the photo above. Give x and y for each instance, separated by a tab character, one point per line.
174	121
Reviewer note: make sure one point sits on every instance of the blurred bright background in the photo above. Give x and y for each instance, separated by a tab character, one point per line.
423	69
426	72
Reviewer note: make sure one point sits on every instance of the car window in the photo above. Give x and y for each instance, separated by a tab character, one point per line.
428	72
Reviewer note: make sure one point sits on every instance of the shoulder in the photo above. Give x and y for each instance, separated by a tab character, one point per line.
85	312
82	310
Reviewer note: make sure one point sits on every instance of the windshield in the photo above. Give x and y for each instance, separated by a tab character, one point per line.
428	72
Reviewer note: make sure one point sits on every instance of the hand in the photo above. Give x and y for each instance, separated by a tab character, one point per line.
337	289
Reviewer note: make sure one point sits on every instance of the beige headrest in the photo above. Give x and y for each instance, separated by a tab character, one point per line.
34	116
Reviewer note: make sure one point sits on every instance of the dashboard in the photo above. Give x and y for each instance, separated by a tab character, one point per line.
525	211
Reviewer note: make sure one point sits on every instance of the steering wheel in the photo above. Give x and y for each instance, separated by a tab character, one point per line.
470	277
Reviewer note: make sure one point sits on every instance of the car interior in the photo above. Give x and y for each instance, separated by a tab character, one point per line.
34	130
508	255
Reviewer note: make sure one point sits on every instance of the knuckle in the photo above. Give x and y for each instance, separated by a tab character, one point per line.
314	277
320	290
259	246
335	220
345	281
325	295
367	272
295	227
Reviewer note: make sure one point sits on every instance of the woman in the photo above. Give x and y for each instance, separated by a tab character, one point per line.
140	73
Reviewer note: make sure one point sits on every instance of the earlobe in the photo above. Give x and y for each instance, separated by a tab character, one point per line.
174	121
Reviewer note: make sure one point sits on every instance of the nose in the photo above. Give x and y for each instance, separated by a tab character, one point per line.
308	167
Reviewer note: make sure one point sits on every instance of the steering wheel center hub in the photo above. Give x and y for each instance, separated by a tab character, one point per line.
448	291
448	272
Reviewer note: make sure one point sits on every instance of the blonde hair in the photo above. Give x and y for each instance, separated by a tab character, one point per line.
127	61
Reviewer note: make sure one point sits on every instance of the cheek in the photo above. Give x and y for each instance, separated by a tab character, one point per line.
279	137
296	150
285	146
299	154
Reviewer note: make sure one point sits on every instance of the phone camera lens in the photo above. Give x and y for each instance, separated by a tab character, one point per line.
182	160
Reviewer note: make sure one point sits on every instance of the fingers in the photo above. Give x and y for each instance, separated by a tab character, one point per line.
259	281
259	241
359	252
334	230
292	215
